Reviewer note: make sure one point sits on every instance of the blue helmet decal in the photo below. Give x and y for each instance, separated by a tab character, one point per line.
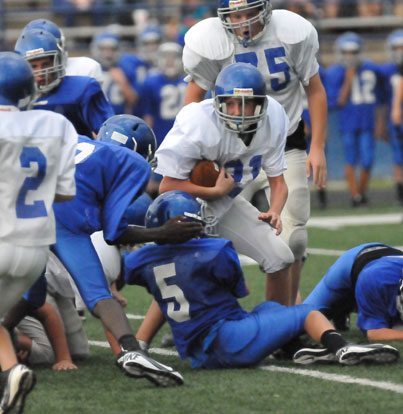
131	132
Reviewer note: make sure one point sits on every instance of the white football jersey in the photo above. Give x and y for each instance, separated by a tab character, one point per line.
199	134
84	66
285	55
37	151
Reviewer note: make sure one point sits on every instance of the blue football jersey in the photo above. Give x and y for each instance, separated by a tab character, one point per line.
108	178
376	291
196	284
162	99
135	70
81	100
358	114
113	93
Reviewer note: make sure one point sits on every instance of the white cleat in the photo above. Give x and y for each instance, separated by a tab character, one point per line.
138	365
306	356
16	384
378	353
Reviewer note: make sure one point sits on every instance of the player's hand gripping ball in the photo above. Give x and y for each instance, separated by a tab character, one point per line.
205	173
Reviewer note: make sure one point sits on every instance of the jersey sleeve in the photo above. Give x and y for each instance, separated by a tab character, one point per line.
372	308
207	50
182	147
125	183
147	98
273	162
66	182
333	82
306	64
96	108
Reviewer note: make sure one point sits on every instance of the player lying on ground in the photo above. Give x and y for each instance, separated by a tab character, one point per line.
197	284
369	279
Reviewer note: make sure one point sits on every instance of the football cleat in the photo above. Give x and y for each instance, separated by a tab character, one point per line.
138	365
306	356
16	383
378	353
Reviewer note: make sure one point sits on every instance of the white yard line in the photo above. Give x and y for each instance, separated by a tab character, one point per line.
335	222
344	379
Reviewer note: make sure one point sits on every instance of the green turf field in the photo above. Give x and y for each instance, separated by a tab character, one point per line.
99	387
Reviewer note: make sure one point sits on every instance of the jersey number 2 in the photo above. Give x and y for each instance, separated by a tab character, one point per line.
37	208
172	292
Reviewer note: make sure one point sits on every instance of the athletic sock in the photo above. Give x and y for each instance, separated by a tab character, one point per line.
128	343
332	340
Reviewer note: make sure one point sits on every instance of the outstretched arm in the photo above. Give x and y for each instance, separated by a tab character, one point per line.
49	318
384	334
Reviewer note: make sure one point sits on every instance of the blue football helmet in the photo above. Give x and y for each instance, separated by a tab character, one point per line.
131	132
395	46
17	83
38	44
349	49
169	60
148	42
178	203
243	81
263	14
47	26
105	48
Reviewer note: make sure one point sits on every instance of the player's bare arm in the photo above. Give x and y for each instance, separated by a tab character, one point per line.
194	93
176	230
278	197
384	334
224	184
316	159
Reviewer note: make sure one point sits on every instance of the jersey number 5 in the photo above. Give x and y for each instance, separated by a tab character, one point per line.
28	156
282	68
172	292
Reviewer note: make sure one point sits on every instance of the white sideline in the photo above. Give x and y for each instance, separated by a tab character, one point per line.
345	379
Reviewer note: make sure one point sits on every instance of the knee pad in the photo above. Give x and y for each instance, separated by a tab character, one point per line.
297	240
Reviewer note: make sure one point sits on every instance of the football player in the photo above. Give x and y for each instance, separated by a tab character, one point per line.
105	48
75	66
368	279
283	46
37	168
109	177
233	130
353	88
390	73
197	285
79	98
163	96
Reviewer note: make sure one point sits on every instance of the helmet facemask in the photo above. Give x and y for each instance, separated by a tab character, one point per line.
262	17
243	123
52	74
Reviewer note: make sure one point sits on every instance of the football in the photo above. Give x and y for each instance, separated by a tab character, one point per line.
205	173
